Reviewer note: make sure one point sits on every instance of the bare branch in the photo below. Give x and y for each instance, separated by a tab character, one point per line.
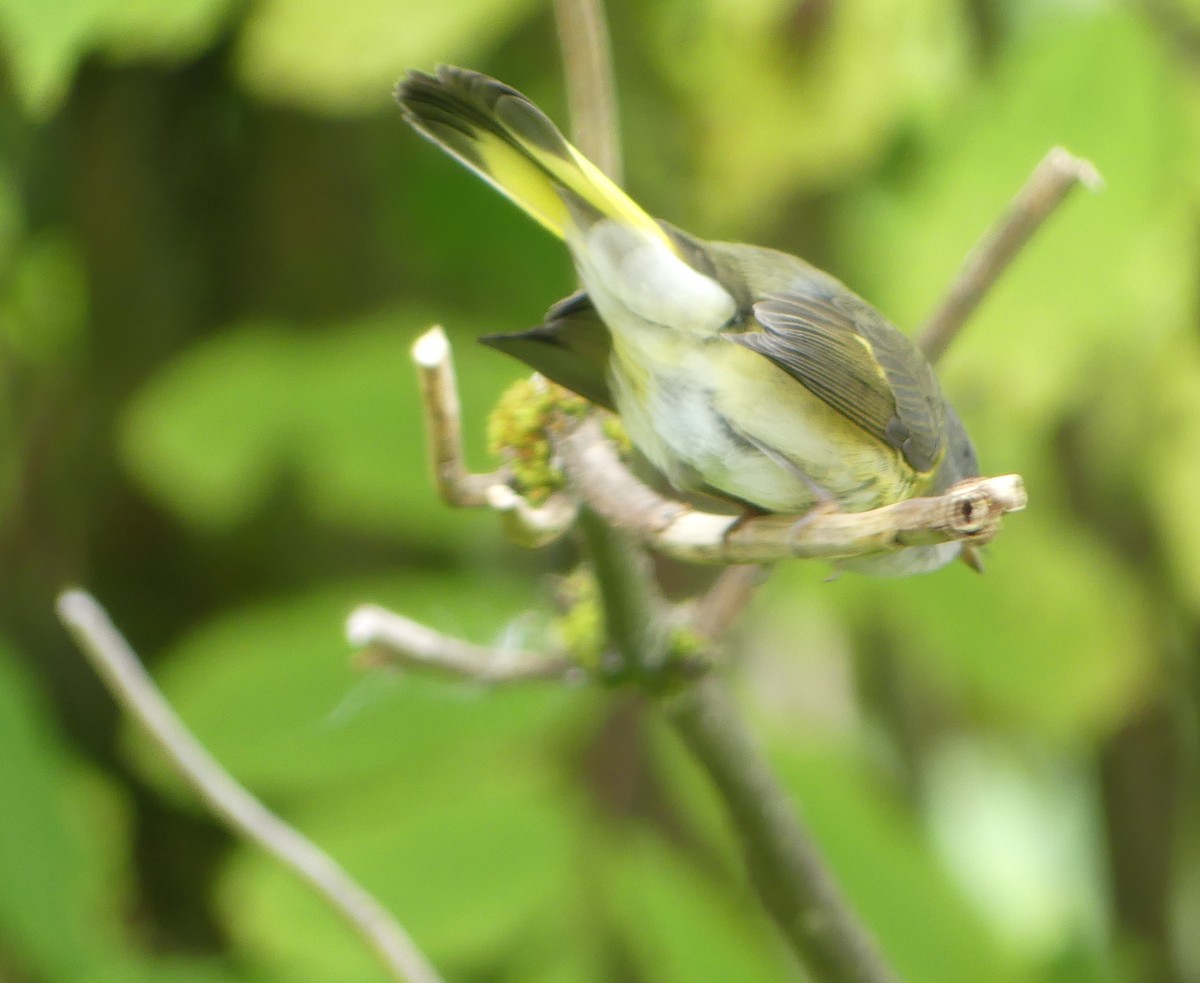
971	510
531	525
443	424
115	662
390	639
792	878
591	92
634	615
1051	181
525	523
729	595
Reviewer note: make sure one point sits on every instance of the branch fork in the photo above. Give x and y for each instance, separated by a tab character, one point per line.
525	523
390	640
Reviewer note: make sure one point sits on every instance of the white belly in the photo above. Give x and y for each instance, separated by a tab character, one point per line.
706	411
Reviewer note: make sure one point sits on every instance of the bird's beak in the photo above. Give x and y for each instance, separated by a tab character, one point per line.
972	556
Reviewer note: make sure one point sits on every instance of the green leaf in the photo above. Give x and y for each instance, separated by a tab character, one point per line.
471	864
207	435
51	858
214	434
926	928
345	58
554	955
45	311
177	30
1172	466
164	970
44	43
1108	277
64	844
826	94
1055	638
271	692
1021	831
46	40
440	794
680	925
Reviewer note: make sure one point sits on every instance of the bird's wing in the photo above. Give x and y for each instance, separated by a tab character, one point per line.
842	350
570	347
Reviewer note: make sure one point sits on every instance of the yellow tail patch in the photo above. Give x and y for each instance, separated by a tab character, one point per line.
513	145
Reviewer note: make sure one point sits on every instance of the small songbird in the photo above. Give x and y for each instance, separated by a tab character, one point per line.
737	370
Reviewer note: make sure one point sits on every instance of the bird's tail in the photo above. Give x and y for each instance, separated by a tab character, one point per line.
509	142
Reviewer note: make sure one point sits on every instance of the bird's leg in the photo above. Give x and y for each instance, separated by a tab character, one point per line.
747	513
823	498
824	501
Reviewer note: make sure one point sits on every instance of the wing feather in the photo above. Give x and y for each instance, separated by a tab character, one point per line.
842	350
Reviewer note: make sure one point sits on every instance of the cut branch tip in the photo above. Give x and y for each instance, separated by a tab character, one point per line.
432	348
76	607
363	625
1080	168
501	498
391	640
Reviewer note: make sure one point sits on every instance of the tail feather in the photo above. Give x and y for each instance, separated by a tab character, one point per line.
497	132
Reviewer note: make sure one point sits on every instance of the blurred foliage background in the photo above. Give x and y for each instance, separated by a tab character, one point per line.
217	241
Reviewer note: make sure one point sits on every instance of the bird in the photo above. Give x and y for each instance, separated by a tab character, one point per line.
738	371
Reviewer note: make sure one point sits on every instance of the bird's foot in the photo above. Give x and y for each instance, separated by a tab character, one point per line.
748	512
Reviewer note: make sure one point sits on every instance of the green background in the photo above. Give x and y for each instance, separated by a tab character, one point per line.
217	243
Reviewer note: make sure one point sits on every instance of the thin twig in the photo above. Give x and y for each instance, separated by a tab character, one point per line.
729	595
785	861
971	510
115	662
1044	190
390	639
525	523
591	92
456	485
532	525
634	620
